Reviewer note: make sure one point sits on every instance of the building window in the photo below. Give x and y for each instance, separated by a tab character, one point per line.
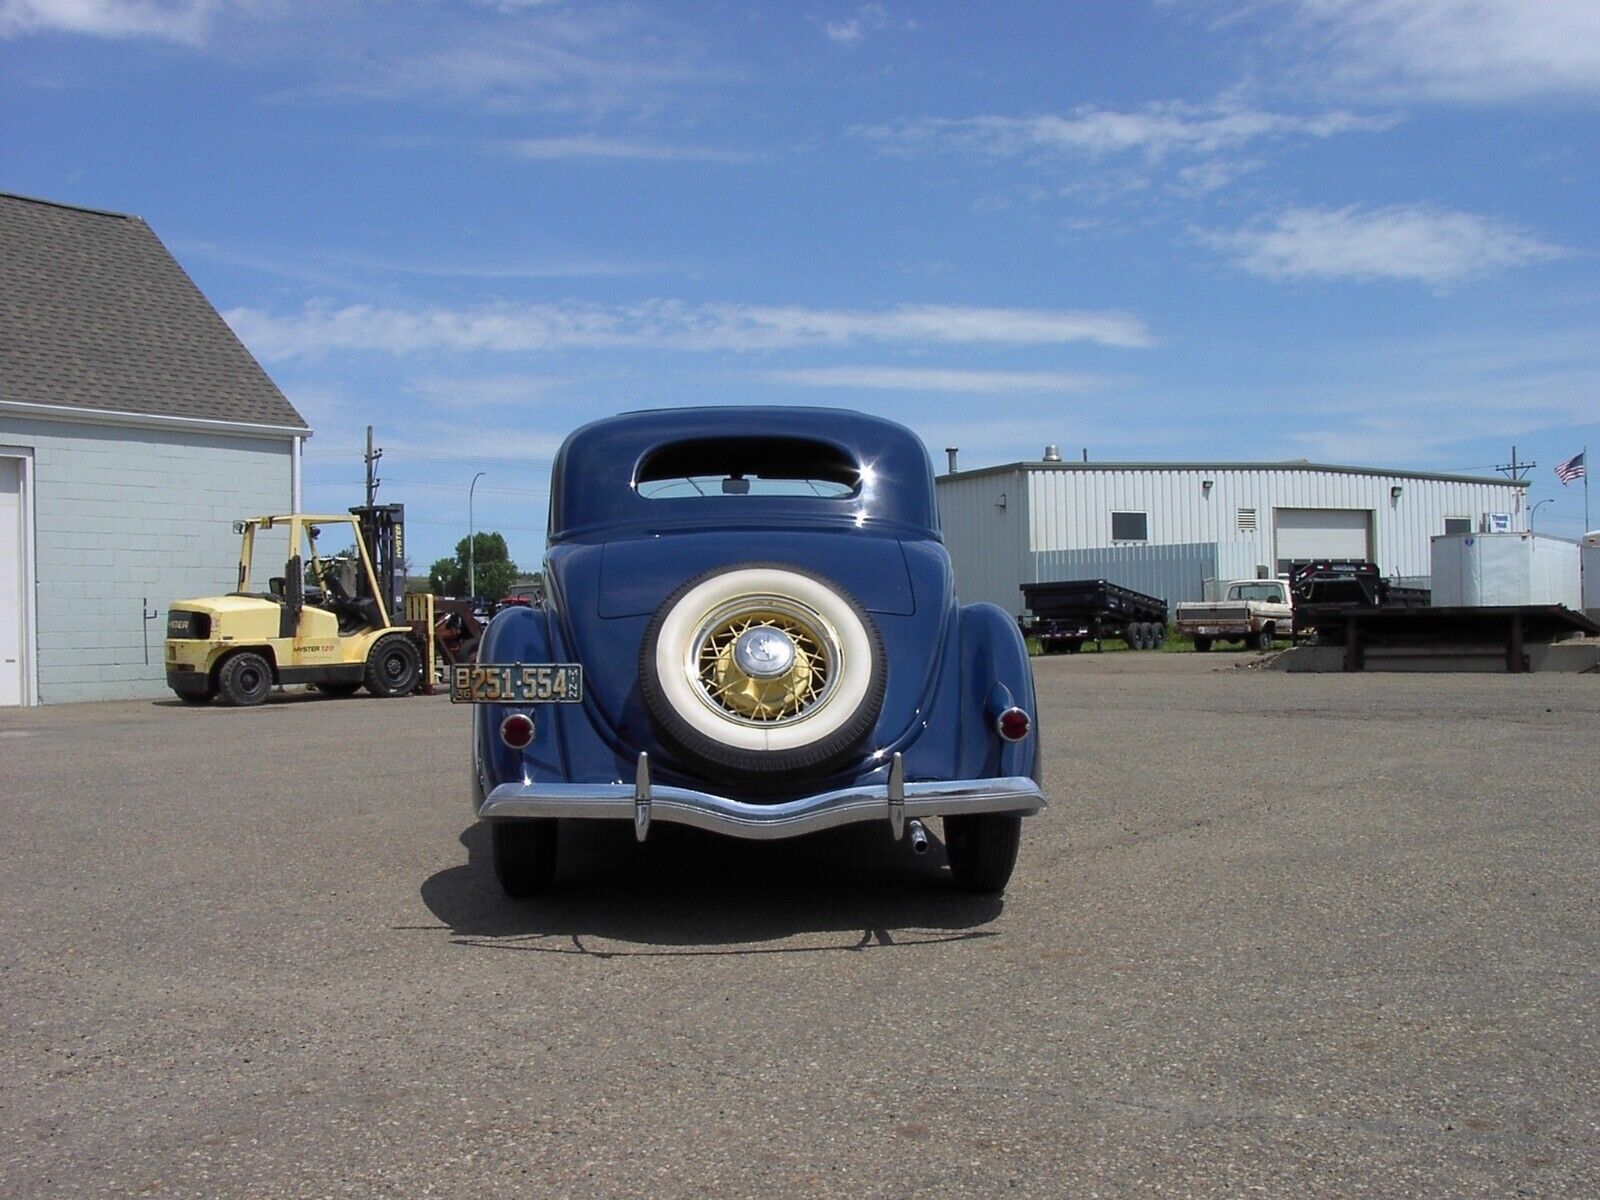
1130	527
1457	525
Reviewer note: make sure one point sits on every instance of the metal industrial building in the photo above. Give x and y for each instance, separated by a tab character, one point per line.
134	430
1170	529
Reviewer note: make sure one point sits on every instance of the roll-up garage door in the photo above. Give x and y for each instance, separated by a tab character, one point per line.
1308	533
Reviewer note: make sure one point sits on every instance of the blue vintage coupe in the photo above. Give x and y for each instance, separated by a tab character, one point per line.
750	626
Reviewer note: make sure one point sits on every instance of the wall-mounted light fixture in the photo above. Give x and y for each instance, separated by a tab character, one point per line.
1001	503
1394	492
1206	485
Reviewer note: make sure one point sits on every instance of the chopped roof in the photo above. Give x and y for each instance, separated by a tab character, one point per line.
96	315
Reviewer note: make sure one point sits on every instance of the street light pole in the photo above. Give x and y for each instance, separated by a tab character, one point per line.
1532	511
472	560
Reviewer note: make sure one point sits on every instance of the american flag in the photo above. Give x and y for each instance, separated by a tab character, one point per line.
1571	469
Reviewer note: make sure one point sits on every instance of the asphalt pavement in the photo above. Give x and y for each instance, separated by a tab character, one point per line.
1281	935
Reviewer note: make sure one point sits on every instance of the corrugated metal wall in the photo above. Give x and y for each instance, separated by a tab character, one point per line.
985	528
1172	573
1072	506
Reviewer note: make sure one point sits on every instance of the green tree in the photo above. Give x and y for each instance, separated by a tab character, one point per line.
491	563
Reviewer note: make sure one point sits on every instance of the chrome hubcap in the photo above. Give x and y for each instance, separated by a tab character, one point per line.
764	652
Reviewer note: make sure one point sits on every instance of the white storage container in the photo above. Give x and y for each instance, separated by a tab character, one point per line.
1591	573
1486	570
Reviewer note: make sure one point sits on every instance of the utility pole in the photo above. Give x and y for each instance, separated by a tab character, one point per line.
372	461
1514	470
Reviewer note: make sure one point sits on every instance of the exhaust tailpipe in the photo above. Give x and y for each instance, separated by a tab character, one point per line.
918	833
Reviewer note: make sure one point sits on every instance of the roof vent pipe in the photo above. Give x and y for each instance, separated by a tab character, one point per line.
951	451
1052	454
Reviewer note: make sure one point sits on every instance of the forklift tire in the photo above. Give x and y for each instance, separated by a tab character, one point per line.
245	680
393	667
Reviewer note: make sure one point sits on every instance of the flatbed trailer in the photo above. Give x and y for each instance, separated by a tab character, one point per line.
1065	614
1337	584
1453	631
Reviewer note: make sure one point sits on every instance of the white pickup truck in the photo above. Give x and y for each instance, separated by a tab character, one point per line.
1251	611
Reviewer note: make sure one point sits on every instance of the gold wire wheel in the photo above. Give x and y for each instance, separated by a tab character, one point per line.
798	642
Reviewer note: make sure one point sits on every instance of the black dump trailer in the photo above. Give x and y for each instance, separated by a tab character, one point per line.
1066	614
1326	586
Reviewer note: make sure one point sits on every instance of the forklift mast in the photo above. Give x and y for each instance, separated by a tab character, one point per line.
383	529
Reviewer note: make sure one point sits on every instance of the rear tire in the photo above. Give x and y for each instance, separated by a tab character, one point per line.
393	667
1202	644
245	680
524	856
982	850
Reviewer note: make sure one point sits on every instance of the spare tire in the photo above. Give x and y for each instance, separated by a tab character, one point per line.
761	669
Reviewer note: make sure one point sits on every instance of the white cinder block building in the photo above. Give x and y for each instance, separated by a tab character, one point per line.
1167	528
134	430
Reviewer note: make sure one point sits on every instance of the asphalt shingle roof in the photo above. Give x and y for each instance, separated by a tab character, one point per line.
96	315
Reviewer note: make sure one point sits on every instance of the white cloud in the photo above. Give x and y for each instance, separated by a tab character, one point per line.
936	379
171	20
483	391
593	146
1157	131
665	324
1417	243
1459	50
869	17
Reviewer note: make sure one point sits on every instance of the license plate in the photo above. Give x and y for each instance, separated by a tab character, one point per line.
517	683
1210	629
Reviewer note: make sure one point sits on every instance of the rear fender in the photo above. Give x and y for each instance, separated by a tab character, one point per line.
995	671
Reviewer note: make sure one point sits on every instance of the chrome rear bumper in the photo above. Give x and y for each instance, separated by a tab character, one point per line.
895	801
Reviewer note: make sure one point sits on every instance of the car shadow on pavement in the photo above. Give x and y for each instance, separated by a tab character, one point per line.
690	892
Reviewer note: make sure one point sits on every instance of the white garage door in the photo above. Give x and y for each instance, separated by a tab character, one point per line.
1307	533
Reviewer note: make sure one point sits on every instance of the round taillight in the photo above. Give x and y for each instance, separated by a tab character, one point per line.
516	730
1013	724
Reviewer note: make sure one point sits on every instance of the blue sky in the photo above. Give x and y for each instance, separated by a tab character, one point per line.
1358	231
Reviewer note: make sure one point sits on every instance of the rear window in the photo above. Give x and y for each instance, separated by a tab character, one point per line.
777	466
1267	592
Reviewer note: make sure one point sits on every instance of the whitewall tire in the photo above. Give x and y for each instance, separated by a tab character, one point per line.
760	668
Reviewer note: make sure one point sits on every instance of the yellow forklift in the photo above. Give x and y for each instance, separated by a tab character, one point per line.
337	635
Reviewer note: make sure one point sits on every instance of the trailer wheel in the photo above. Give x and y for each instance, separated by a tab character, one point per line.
524	856
393	667
1133	633
1160	628
1202	644
982	850
245	680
